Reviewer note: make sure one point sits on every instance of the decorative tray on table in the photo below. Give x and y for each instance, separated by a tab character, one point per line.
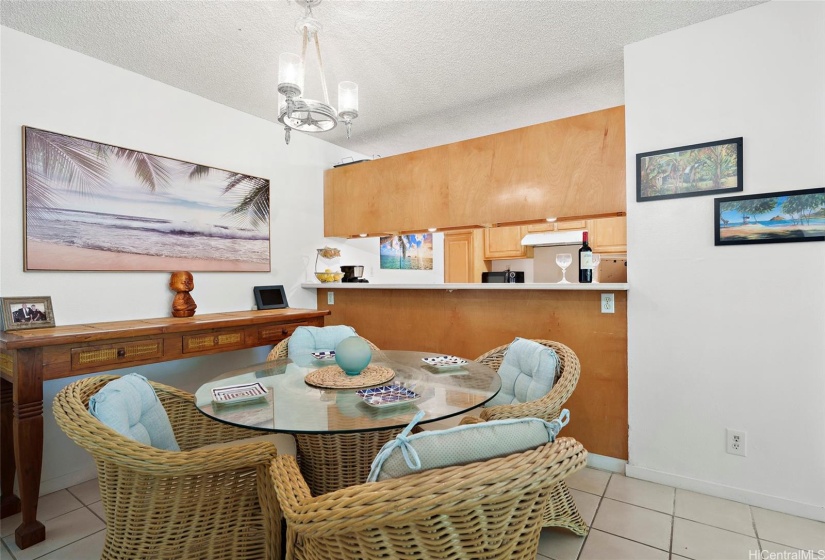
387	395
232	394
444	363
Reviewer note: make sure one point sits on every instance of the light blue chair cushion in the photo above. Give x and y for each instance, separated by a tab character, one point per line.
407	454
130	407
306	340
527	372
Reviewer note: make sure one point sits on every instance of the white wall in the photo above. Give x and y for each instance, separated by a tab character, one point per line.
729	336
56	89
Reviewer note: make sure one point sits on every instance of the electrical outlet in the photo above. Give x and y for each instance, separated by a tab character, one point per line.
330	298
737	442
608	303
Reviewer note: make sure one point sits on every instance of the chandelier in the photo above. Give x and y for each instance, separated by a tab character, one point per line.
297	112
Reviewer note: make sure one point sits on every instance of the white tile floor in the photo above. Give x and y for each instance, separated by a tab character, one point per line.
630	520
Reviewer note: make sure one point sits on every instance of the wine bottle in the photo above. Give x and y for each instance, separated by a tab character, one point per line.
585	261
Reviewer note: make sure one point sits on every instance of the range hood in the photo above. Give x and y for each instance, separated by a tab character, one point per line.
552	238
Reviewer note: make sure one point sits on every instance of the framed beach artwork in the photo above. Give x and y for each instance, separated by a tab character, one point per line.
777	217
695	170
32	312
94	206
407	252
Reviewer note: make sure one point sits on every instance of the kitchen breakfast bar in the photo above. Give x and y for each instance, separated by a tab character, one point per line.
469	319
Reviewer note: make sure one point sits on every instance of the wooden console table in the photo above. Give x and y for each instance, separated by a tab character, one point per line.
29	357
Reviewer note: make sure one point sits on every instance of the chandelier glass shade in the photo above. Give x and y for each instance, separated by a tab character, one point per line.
297	112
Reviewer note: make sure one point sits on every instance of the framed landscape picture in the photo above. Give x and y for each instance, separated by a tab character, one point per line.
777	217
407	252
695	170
94	206
31	312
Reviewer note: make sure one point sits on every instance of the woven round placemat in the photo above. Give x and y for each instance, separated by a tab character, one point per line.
333	377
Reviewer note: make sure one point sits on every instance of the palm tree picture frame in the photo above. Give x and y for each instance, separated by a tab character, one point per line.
775	217
91	206
407	252
695	170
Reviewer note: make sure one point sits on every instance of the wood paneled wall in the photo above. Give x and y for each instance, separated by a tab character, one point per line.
467	323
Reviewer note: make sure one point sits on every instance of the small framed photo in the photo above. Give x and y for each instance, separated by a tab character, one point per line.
27	312
777	217
695	170
270	297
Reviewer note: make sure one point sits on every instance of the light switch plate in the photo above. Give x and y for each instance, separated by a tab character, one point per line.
330	298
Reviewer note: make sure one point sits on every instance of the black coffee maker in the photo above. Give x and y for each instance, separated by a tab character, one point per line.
353	273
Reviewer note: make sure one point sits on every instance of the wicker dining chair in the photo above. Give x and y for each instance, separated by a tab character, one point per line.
281	349
204	504
481	511
561	509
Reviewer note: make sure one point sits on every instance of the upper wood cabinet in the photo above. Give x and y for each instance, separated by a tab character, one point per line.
566	225
505	243
573	168
388	195
608	235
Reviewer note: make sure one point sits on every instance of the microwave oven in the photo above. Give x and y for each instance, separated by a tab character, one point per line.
503	277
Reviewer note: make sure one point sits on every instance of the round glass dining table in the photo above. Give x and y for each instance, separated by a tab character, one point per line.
337	432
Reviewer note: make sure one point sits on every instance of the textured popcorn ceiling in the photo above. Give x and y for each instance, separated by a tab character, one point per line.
429	72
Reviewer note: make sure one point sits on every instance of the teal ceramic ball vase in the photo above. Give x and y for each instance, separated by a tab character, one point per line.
353	354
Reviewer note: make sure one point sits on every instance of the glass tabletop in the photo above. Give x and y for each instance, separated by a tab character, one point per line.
292	406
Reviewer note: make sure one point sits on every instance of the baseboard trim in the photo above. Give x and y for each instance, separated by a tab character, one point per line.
605	463
67	480
775	503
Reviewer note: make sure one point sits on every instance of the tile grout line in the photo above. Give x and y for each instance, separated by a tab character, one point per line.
598	506
755	532
672	525
605	531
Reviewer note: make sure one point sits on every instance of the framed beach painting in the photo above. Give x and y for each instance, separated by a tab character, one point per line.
31	312
94	206
695	170
407	252
777	217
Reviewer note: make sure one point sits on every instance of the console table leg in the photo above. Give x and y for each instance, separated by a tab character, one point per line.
9	503
28	443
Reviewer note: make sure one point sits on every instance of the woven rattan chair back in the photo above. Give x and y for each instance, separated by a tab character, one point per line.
482	511
215	504
547	407
282	349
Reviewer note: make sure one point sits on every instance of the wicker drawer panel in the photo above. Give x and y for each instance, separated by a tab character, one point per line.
201	342
276	333
91	356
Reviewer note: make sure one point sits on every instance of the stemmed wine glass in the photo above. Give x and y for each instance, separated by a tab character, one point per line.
564	260
597	258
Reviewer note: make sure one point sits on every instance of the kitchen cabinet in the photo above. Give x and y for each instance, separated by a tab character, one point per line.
608	235
387	195
463	256
540	227
565	225
572	167
505	243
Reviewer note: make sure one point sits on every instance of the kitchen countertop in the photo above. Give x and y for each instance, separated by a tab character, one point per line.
596	287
